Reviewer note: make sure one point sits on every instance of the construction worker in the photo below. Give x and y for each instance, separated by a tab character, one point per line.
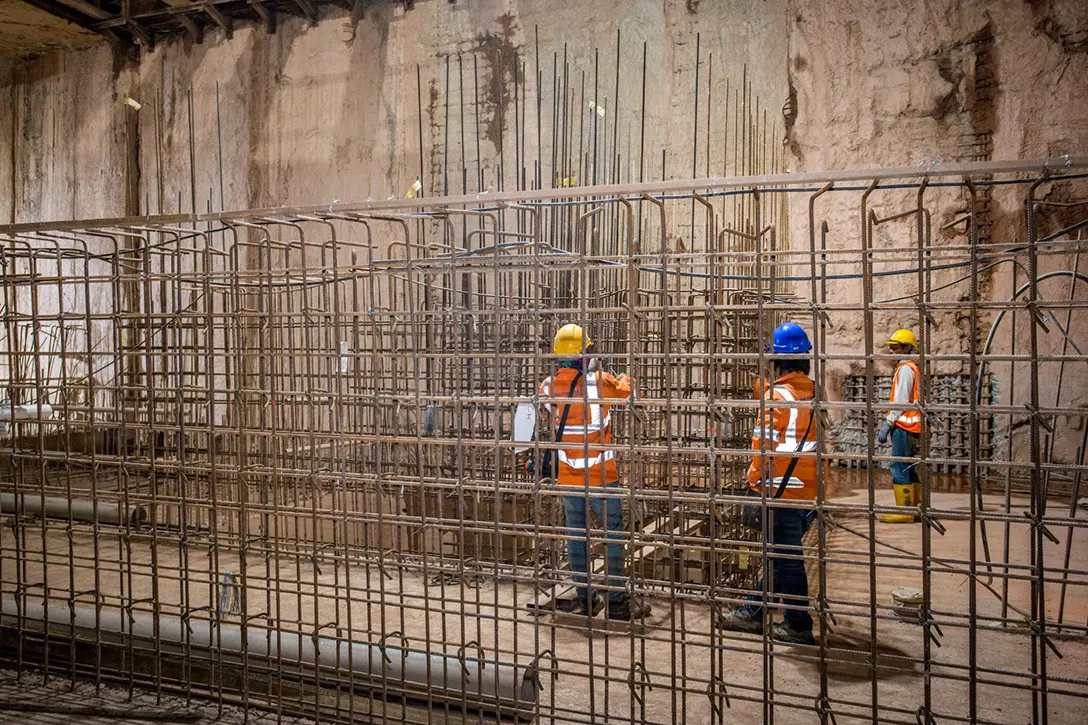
904	423
783	432
586	422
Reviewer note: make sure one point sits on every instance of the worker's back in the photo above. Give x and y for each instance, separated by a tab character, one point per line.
782	430
589	423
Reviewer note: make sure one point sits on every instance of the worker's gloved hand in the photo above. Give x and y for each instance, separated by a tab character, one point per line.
882	436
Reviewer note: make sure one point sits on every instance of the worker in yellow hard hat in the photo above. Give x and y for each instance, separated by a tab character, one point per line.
904	424
571	340
580	465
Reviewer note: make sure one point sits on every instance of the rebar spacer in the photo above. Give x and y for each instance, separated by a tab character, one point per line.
823	709
644	681
924	717
712	689
461	657
534	668
403	640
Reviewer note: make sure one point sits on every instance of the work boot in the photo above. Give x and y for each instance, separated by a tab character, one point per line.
741	620
584	607
783	632
898	518
906	497
626	609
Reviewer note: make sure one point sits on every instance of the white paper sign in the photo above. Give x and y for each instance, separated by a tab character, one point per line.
345	357
524	425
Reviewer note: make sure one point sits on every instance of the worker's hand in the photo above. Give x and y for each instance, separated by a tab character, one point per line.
882	436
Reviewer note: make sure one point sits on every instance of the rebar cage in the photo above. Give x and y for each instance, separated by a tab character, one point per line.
267	457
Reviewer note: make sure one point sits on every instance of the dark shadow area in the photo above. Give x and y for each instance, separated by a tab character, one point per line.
848	655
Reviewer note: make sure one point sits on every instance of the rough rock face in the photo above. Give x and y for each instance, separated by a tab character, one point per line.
896	83
885	83
314	114
26	30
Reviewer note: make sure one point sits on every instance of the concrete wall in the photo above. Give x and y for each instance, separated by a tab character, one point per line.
313	114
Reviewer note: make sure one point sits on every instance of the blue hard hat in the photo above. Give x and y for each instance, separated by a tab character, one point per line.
790	339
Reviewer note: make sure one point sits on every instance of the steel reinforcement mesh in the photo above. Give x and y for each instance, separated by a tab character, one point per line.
269	459
950	433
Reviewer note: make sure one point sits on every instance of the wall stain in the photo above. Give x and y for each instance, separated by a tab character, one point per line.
266	75
499	51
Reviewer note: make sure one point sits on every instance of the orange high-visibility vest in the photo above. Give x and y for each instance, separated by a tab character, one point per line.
587	426
910	419
783	429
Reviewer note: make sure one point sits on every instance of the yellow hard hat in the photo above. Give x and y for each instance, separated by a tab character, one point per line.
903	337
570	340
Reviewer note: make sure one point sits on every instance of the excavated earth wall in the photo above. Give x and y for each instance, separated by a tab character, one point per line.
314	114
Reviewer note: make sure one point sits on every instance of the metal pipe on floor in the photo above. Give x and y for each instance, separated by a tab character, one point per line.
25	413
507	689
59	507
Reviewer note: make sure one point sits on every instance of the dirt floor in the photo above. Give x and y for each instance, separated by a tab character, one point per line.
677	647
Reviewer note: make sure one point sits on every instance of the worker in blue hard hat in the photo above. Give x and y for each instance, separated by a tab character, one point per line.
782	433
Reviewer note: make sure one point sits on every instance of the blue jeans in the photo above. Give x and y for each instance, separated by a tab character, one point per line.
789	577
904	444
609	511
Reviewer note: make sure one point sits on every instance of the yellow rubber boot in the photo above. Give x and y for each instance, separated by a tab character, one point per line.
904	497
917	497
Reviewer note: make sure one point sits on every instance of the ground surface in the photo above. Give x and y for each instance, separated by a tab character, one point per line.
65	695
676	648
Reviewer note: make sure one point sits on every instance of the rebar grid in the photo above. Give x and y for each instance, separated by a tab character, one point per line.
266	457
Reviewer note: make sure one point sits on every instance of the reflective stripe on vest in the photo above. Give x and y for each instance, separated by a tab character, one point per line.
591	428
789	442
794	482
595	425
595	422
583	463
758	432
910	417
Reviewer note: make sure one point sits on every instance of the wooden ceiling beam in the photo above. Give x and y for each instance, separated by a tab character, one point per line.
268	17
220	19
193	28
140	33
92	11
309	9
